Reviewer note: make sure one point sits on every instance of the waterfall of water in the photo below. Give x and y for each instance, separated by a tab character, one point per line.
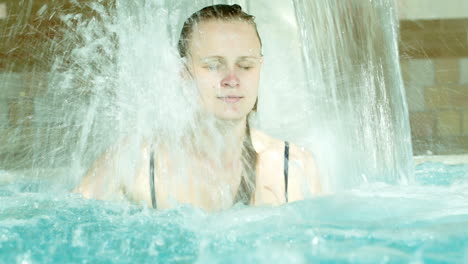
358	108
331	82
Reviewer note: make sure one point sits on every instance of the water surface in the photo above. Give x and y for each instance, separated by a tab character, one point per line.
375	223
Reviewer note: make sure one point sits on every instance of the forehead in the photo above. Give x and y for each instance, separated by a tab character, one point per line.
224	38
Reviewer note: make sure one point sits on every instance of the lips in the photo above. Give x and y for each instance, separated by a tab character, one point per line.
230	98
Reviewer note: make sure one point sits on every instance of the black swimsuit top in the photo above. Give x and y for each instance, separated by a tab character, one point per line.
286	162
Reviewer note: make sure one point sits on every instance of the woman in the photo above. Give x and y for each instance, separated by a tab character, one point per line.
221	48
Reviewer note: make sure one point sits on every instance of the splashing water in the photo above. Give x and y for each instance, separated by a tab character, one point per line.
352	65
331	84
376	223
115	75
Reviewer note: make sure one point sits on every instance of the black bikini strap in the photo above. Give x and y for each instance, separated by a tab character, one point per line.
151	176
286	161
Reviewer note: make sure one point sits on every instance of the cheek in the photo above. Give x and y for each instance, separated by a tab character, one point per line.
206	83
253	83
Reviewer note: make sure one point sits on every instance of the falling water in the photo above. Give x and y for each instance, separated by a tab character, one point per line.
354	85
332	83
106	74
110	73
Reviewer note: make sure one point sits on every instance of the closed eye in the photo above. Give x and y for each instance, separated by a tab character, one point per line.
246	67
212	66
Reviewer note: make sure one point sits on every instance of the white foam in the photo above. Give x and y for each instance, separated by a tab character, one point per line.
446	159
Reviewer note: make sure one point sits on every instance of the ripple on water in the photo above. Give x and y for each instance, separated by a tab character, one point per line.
424	223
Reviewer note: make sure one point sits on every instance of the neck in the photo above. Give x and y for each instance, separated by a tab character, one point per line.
221	140
233	130
233	134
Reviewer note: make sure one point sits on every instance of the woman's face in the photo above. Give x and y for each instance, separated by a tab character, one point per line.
225	61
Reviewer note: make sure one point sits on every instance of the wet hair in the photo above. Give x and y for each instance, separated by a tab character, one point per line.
227	13
210	13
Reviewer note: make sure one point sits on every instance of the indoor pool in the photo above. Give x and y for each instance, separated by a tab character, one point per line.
107	70
378	223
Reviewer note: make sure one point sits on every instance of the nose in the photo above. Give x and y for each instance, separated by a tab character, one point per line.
230	80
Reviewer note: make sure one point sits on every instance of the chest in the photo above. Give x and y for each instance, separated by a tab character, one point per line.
271	180
205	185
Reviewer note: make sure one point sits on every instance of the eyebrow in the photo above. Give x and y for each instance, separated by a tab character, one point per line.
221	58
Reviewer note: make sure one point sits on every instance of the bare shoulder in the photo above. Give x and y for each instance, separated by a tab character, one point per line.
266	144
302	165
105	179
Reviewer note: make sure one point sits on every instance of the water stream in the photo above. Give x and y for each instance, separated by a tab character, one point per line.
331	83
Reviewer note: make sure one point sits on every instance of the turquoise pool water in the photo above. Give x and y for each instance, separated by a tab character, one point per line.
376	223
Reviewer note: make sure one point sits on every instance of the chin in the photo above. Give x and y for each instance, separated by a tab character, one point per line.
230	116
